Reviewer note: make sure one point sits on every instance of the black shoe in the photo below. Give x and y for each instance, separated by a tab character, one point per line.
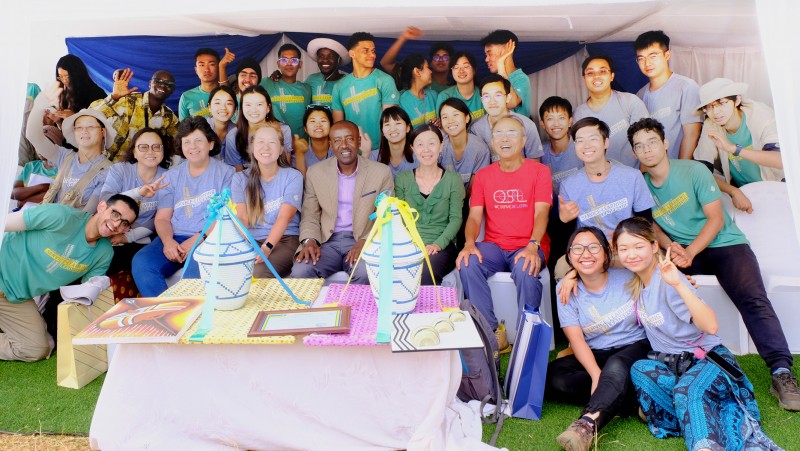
784	387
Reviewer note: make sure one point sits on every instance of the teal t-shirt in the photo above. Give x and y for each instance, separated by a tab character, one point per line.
321	89
362	100
679	204
32	91
421	111
522	85
437	88
36	167
194	102
289	102
55	252
743	171
473	103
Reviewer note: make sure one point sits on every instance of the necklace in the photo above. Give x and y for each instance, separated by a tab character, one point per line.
600	174
426	187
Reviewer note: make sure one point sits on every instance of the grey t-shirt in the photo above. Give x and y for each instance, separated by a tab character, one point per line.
666	318
673	105
562	165
533	144
188	196
621	110
233	157
285	188
403	166
123	177
608	317
475	157
604	204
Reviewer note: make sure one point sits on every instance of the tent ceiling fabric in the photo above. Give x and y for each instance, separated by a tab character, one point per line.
689	22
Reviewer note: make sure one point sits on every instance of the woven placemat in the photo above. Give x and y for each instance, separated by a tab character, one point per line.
364	313
232	326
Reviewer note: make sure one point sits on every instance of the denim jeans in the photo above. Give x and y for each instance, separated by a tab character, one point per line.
150	268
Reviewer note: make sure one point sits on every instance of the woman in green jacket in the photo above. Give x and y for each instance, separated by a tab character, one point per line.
438	196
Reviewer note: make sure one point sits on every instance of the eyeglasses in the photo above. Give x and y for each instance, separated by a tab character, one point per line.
292	61
652	57
441	58
117	217
651	143
506	134
716	105
162	82
317	106
577	249
62	78
87	128
498	97
595	73
155	148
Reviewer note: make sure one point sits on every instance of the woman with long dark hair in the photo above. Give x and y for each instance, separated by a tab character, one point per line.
255	111
395	148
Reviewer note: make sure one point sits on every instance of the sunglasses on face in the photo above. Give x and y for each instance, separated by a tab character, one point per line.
292	61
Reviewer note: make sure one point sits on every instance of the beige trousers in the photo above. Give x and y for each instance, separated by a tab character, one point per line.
23	332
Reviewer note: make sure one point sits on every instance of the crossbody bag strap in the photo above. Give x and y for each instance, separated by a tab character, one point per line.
55	187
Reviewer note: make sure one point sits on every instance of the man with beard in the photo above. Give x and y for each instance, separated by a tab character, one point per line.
194	102
130	111
329	55
338	201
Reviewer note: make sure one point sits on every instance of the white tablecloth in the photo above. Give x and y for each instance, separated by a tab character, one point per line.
212	397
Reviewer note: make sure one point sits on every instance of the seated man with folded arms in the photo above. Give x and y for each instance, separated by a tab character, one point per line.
43	249
495	94
339	198
514	196
703	239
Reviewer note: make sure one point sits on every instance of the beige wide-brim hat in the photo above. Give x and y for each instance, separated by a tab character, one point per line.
326	43
719	88
67	127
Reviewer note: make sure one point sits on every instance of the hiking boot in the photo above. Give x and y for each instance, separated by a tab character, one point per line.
784	387
578	436
502	339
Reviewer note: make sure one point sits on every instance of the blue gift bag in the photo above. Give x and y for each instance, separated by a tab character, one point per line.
527	367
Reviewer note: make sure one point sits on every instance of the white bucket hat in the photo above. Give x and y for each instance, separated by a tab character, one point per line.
326	43
719	88
68	126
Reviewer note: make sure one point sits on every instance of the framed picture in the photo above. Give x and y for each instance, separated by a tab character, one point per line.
329	320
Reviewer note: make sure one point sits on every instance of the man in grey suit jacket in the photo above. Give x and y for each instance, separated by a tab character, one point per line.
339	198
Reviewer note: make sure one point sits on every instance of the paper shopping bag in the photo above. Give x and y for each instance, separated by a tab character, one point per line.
527	367
77	366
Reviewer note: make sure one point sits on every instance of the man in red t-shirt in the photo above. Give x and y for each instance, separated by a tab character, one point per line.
514	195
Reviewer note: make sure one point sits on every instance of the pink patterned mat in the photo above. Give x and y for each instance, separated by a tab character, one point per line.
364	313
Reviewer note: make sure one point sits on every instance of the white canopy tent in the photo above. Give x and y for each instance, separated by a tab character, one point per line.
746	40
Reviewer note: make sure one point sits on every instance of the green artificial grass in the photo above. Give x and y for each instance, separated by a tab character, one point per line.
30	402
631	433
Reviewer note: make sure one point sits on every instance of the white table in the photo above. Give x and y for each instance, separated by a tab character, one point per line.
211	397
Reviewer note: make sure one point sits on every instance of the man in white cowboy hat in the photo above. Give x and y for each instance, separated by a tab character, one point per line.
739	138
81	174
329	55
45	248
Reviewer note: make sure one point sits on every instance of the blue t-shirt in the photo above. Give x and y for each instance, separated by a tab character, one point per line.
679	204
188	196
621	110
666	318
476	156
420	111
123	176
607	317
533	144
604	204
362	100
285	188
226	147
403	166
562	165
673	104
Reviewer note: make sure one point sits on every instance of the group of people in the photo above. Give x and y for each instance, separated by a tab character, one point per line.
305	161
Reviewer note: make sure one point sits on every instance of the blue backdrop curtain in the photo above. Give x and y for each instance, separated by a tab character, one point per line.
148	54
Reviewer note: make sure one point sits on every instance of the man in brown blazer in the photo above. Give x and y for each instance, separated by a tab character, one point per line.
339	198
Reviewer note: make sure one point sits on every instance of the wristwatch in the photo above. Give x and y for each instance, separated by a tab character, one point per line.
268	244
303	242
536	242
737	151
